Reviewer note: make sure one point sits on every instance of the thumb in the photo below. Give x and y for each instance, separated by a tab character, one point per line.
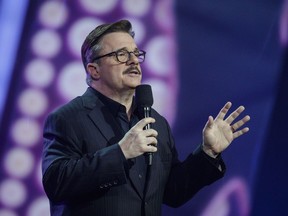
209	122
143	122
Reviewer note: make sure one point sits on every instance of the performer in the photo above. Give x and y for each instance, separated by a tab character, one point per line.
95	146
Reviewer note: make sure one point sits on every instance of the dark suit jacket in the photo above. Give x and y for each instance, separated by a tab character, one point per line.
86	173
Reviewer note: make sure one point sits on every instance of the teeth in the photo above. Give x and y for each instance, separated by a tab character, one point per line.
133	71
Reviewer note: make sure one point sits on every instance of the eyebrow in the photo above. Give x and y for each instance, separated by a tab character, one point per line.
125	48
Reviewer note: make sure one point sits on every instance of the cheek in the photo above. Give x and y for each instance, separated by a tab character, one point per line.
114	77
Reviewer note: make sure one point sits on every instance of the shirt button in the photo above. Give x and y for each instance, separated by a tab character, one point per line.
140	176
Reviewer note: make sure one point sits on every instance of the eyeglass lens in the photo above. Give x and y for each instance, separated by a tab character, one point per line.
124	55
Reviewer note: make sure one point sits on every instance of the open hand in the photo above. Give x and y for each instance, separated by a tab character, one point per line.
218	133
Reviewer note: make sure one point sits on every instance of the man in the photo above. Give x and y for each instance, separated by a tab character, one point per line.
94	147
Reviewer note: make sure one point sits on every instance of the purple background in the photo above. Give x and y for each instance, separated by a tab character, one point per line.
213	51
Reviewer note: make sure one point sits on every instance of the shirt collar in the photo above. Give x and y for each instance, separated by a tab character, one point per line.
112	105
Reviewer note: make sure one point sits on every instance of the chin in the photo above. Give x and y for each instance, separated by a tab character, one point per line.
134	84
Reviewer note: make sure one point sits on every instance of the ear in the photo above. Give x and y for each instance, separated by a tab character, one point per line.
93	70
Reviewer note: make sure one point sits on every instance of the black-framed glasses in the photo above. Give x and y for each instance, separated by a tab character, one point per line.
124	55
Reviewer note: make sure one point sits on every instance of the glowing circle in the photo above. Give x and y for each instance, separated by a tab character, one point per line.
53	14
71	81
159	55
32	102
19	162
139	29
136	7
26	132
39	73
164	15
98	6
78	32
39	206
4	212
38	175
46	43
161	95
12	193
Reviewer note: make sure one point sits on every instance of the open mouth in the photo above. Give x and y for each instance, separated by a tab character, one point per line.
134	71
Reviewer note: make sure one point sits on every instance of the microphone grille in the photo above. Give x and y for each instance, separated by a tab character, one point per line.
143	95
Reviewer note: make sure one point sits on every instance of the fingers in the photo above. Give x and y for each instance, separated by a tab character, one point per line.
138	141
235	127
142	123
150	145
146	133
240	123
150	133
235	114
240	132
224	111
232	116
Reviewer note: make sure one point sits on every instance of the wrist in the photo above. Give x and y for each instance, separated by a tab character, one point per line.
209	151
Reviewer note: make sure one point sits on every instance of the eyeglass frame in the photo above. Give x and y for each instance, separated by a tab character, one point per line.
115	53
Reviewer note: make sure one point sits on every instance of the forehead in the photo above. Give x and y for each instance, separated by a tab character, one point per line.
117	40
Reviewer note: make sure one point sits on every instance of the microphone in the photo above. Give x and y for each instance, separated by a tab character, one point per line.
144	101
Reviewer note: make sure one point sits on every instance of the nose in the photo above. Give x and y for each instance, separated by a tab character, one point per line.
133	59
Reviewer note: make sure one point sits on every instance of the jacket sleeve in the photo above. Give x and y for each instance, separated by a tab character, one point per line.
68	174
188	177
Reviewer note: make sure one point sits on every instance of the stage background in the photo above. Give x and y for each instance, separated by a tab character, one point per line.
200	54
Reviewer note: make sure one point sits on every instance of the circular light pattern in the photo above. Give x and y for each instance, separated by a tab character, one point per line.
5	212
136	7
98	6
159	56
40	206
38	175
12	193
78	32
161	96
46	43
19	162
164	15
71	81
53	14
39	73
139	29
32	102
26	132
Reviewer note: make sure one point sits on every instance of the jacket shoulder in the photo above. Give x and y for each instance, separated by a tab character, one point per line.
70	109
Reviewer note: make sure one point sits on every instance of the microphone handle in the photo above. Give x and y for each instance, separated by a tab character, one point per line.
147	113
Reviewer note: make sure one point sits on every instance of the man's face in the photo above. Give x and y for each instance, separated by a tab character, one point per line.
115	76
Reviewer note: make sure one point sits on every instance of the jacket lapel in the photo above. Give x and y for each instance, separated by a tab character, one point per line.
106	123
103	120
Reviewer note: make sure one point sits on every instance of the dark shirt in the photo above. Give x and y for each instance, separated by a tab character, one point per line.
137	164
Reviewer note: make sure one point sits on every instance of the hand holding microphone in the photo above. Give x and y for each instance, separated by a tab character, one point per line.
137	140
144	101
141	138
